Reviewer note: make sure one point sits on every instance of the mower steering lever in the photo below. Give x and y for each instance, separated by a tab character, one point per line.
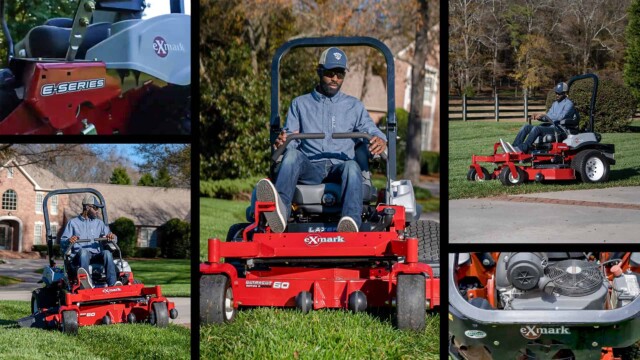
291	137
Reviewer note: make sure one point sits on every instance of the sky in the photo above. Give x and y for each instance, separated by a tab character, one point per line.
160	7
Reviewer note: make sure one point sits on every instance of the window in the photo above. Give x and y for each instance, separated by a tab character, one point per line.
145	237
429	87
9	200
37	234
10	173
54	229
54	205
39	198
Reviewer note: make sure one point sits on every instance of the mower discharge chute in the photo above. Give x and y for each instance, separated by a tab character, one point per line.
63	304
106	71
393	262
544	305
569	154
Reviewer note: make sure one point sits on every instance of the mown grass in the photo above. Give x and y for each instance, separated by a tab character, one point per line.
173	275
325	334
216	216
139	341
466	139
8	280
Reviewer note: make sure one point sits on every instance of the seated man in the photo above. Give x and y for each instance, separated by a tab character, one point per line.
561	109
88	226
324	110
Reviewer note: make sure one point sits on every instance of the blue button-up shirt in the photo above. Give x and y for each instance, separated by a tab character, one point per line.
316	113
84	229
561	110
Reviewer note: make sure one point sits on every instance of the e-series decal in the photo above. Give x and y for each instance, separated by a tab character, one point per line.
71	86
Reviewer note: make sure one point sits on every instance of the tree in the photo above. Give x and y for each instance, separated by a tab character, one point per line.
632	56
172	160
175	239
146	180
163	179
125	230
120	177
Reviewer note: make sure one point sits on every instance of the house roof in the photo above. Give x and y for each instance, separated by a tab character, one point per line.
42	179
145	205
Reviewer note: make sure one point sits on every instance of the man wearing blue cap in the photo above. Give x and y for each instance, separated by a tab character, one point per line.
324	110
88	226
561	109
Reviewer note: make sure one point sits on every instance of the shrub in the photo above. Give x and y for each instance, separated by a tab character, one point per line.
43	250
402	121
230	189
147	252
614	104
429	162
175	239
125	229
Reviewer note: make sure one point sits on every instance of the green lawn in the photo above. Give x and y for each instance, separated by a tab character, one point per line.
173	275
285	333
466	139
93	342
8	280
326	334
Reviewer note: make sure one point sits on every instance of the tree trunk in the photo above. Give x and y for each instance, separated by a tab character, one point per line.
418	72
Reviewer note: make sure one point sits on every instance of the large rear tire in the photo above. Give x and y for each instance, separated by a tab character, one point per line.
216	300
410	302
591	166
428	234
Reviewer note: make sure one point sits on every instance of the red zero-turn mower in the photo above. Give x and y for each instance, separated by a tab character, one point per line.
544	305
106	71
390	263
63	304
568	155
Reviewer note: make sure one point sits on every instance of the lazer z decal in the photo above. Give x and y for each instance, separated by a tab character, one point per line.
533	332
71	86
314	240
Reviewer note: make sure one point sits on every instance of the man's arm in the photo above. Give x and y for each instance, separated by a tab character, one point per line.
366	125
104	231
291	125
559	112
66	235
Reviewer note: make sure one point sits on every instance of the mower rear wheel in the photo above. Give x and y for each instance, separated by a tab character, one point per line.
159	315
473	175
304	301
410	302
216	300
428	234
69	322
235	235
506	178
591	165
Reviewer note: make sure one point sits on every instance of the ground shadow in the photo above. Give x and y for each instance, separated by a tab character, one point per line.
622	174
6	324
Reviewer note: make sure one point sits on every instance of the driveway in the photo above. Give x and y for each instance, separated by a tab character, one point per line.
609	215
25	270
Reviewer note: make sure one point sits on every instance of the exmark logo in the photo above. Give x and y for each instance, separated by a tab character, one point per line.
162	47
71	86
109	291
533	332
314	240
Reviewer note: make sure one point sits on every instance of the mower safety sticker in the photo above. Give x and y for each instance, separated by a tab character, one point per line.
475	334
71	86
315	240
533	332
258	284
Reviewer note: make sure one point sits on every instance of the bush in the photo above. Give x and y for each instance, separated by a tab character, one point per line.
125	229
230	189
429	162
147	252
402	121
175	239
43	250
614	104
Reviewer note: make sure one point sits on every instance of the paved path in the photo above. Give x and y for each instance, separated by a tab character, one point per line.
580	216
25	270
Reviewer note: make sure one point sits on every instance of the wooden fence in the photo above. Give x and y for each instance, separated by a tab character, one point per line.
494	108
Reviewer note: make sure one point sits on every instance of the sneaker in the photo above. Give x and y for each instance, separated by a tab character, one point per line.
85	283
118	283
347	224
266	192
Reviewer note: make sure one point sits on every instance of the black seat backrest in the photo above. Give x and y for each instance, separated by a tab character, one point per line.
52	41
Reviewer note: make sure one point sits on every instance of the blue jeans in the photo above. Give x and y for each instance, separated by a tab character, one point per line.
525	142
84	257
296	168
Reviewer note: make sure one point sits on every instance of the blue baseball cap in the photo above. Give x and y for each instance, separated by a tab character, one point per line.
562	88
333	58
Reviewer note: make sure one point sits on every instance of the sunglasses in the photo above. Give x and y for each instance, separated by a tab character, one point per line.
330	73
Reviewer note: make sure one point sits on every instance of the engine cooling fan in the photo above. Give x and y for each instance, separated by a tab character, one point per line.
574	277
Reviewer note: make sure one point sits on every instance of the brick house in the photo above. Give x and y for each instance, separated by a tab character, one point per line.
23	188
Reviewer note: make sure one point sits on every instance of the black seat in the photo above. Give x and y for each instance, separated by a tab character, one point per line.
327	198
52	39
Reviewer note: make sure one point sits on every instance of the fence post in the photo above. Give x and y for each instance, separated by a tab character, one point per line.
497	105
464	107
526	104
